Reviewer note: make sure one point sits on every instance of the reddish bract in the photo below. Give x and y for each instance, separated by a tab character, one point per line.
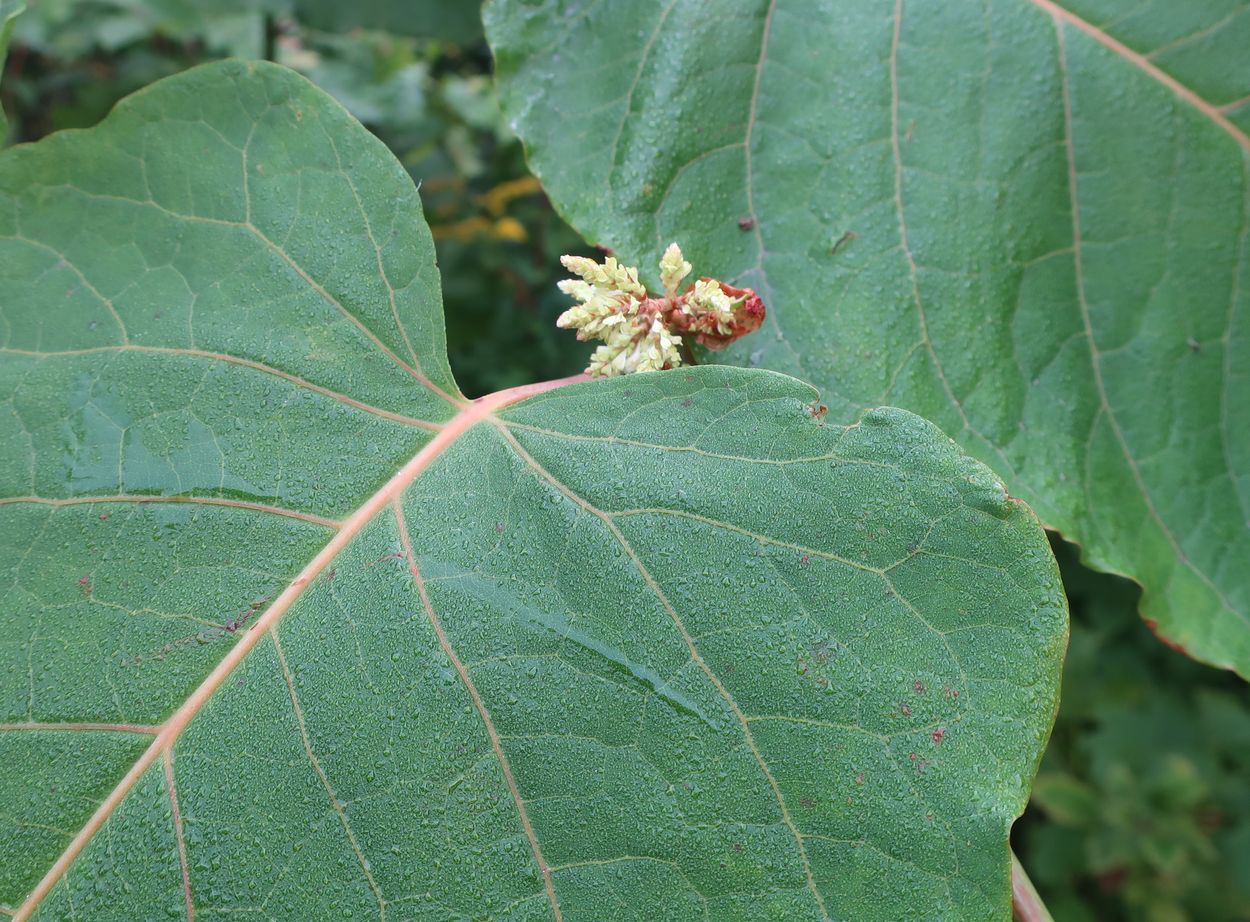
747	318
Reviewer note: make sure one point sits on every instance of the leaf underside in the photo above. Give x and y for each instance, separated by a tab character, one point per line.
1025	225
290	628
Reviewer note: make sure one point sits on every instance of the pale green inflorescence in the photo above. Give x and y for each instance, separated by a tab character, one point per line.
641	332
614	307
673	269
710	300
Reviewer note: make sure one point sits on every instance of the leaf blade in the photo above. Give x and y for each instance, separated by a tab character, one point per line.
897	183
491	703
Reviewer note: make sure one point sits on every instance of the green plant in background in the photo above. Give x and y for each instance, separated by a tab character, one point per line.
1141	809
1151	743
9	9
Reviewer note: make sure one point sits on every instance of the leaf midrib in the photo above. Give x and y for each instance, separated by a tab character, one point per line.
1209	110
478	411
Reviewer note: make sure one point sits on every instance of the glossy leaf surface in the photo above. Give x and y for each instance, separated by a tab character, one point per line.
291	629
1025	221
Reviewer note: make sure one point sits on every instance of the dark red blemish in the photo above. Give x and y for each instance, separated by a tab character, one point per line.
805	560
905	710
918	686
806	802
1112	879
244	616
1170	644
85	582
912	756
818	410
859	779
746	223
104	516
951	692
938	734
330	576
394	556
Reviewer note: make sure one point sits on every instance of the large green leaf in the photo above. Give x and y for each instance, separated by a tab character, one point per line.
290	628
1022	225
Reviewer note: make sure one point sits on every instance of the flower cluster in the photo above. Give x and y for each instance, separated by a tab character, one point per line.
642	332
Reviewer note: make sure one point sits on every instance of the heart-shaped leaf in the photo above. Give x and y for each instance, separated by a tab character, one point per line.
1025	222
290	628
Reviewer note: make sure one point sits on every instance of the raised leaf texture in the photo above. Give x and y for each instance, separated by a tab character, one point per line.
291	630
1026	221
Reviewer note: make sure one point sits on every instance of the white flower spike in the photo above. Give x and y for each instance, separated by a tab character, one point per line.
640	332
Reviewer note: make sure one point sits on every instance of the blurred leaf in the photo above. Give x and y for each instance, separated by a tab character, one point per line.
1146	772
9	10
1065	799
457	21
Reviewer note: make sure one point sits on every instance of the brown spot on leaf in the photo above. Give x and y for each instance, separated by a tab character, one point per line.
746	223
841	242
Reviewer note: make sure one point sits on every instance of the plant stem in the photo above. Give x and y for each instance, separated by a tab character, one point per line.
1026	905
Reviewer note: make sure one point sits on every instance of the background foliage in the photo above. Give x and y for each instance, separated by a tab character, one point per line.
1141	810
